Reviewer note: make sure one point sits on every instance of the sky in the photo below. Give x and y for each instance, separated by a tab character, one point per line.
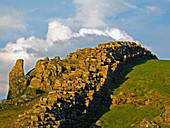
34	29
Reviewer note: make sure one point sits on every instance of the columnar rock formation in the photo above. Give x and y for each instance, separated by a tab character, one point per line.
75	86
17	81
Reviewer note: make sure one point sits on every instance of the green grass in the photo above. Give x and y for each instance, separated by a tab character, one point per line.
127	115
9	113
148	80
154	74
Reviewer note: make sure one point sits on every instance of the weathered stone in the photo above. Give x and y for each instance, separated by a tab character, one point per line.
146	123
59	69
57	58
46	59
17	81
34	118
17	70
46	73
40	66
99	123
35	82
31	91
47	82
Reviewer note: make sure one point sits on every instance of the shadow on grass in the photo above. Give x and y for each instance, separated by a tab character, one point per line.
116	83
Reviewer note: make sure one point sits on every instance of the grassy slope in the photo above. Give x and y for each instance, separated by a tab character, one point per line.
149	80
152	75
9	113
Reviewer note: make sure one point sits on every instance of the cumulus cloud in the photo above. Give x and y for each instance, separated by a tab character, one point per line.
85	31
118	34
113	33
57	32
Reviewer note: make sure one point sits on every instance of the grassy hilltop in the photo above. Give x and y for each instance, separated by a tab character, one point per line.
142	91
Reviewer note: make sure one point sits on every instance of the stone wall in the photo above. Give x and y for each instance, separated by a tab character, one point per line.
75	86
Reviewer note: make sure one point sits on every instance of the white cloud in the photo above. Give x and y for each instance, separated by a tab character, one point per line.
92	14
118	34
85	31
113	33
57	32
154	9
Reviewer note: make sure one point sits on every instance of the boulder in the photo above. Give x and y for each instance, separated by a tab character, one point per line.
31	91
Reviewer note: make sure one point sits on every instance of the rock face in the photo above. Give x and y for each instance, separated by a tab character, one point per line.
75	86
17	81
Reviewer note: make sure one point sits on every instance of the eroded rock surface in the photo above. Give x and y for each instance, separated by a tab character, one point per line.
17	81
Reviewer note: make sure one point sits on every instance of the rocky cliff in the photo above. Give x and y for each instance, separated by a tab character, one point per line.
72	88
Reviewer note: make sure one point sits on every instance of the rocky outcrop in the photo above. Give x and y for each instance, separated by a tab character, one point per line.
17	81
75	86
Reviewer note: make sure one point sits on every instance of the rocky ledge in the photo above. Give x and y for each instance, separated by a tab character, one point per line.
72	88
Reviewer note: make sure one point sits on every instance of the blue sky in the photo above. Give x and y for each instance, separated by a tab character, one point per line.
32	29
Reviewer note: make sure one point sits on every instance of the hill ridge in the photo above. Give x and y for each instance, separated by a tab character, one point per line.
70	89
